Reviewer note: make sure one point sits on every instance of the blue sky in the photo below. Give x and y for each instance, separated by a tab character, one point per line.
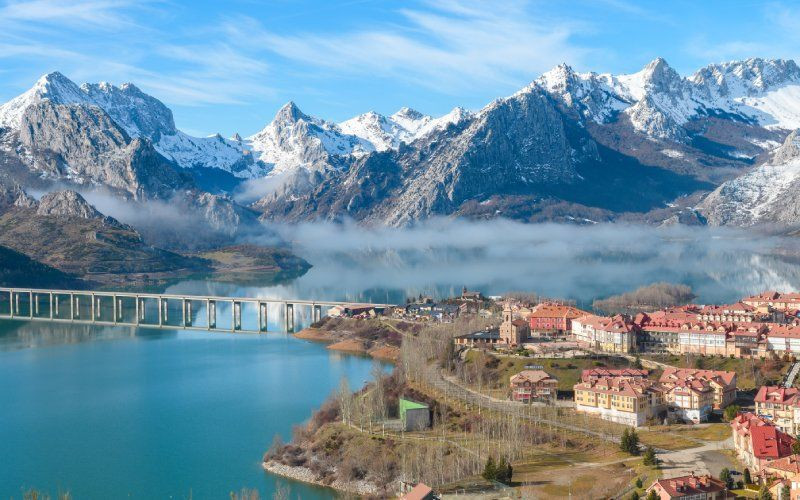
228	66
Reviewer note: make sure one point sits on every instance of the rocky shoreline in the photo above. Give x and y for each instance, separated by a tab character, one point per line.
304	474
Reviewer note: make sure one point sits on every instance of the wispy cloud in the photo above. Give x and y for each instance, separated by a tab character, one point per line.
449	45
179	68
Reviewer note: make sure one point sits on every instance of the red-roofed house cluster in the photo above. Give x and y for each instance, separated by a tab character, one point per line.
766	451
757	326
627	396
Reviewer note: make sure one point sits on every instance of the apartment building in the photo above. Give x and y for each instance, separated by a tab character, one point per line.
534	385
610	334
781	405
722	383
629	401
758	442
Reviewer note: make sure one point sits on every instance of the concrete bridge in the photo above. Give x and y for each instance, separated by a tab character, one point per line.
190	312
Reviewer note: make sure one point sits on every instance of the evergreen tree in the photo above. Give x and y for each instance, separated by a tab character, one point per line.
490	470
747	478
634	495
630	441
624	442
650	456
503	471
638	482
764	494
652	495
726	477
786	493
637	363
796	448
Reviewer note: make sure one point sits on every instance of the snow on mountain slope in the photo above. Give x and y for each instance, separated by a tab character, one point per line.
295	140
405	126
766	194
53	86
659	101
139	115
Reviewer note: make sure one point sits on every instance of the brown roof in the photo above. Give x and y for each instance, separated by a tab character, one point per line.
777	394
418	492
617	385
532	375
689	485
673	375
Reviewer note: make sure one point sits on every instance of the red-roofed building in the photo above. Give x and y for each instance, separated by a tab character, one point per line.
783	339
758	442
420	492
774	300
610	334
723	383
552	318
533	385
629	401
690	488
781	405
729	313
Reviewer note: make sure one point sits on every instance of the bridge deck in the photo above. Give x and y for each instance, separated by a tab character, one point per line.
195	312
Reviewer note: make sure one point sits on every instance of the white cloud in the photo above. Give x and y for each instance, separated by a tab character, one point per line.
449	46
72	36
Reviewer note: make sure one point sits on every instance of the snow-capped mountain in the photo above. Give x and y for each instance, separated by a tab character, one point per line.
405	126
140	116
767	194
294	140
659	102
568	145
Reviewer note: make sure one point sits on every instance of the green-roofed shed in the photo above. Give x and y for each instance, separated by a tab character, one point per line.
415	416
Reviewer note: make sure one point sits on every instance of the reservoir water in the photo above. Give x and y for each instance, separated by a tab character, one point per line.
123	413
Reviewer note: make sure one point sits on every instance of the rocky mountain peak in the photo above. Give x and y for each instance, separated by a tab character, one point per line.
658	76
407	114
67	203
558	78
15	196
290	113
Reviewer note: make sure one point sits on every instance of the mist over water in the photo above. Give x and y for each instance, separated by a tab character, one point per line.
576	262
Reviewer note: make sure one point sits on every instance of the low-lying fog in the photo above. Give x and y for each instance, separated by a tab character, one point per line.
577	262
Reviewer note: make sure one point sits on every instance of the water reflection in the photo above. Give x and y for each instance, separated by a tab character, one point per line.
22	334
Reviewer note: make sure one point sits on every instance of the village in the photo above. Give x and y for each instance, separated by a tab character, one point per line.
635	385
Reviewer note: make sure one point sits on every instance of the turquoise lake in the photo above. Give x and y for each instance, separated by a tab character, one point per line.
124	413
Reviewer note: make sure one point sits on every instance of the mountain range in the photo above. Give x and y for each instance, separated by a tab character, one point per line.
716	147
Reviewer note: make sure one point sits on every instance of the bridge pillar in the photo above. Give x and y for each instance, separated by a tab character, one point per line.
317	313
237	315
35	305
212	314
262	317
51	306
289	317
187	312
55	304
74	306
